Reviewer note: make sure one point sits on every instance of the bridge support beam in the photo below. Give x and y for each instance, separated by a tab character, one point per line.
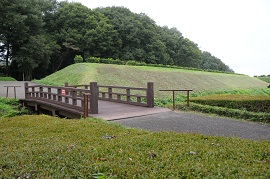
94	98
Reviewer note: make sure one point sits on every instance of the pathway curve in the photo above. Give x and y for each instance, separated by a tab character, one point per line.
199	123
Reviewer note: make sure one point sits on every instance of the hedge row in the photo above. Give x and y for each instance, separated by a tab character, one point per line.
136	63
251	105
233	113
254	103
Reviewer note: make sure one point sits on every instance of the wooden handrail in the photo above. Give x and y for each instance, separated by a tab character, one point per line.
63	95
108	94
173	90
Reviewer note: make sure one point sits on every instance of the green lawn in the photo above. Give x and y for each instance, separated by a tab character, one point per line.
48	147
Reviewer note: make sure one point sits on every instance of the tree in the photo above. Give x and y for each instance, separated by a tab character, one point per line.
22	27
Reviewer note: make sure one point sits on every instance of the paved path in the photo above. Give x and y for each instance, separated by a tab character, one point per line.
19	90
197	123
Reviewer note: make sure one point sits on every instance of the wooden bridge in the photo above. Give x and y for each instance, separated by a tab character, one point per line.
107	102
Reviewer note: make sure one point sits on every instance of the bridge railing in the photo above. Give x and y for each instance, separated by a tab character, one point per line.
126	95
70	97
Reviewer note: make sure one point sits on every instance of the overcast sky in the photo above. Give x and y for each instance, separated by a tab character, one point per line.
235	31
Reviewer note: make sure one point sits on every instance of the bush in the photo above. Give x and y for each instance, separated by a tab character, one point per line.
7	79
228	112
10	107
137	63
236	101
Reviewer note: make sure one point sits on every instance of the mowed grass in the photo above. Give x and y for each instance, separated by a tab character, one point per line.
47	147
163	78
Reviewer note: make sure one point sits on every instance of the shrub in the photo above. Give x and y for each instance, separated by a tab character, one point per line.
7	79
228	112
236	101
10	107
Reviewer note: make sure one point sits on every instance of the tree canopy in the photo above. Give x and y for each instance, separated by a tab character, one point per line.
39	37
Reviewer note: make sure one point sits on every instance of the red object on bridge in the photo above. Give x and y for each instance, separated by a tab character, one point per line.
63	92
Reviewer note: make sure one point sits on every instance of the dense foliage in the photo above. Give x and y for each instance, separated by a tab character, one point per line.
40	37
11	107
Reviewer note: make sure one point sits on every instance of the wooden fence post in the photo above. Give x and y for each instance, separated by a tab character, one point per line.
94	98
150	94
85	105
66	91
26	90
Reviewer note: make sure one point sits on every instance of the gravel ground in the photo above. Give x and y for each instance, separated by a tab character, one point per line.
184	122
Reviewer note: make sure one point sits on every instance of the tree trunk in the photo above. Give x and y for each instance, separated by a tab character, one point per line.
28	75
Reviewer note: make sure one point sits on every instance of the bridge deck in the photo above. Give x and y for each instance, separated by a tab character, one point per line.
107	110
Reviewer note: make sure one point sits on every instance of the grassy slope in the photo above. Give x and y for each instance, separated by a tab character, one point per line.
7	79
163	78
48	147
266	79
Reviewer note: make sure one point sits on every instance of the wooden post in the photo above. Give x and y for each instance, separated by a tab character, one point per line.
26	90
128	94
66	91
150	94
74	97
173	98
59	95
93	98
85	105
187	98
110	93
41	92
49	93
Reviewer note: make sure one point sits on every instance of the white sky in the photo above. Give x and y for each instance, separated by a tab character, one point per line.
235	31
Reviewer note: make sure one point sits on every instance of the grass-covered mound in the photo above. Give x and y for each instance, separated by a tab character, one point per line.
49	147
7	79
163	78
